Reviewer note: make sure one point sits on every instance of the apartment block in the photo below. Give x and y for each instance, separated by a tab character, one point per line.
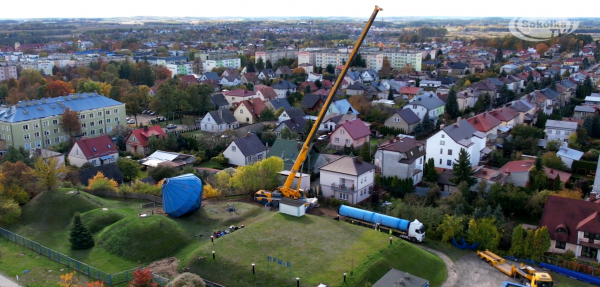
275	55
180	68
37	123
8	72
235	63
400	59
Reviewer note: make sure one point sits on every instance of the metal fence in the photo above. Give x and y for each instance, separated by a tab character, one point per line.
110	279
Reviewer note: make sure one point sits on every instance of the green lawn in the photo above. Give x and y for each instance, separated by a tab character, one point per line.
210	164
319	250
452	252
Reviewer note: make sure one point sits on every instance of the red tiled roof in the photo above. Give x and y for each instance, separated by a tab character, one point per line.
409	90
484	122
190	79
254	106
312	85
552	173
267	92
142	135
571	214
504	114
327	84
97	147
356	128
239	93
517	166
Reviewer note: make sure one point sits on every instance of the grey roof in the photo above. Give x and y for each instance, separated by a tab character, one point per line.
561	124
464	130
212	76
297	125
584	109
372	73
295	113
284	85
357	86
250	144
446	80
310	100
348	165
393	276
550	93
222	116
110	170
569	153
521	106
568	83
268	72
219	100
408	116
457	65
37	109
429	102
280	103
494	81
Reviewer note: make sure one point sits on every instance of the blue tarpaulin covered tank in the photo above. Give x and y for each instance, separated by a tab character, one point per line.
373	217
181	194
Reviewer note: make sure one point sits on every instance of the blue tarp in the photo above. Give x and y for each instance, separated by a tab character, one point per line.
464	245
573	274
182	194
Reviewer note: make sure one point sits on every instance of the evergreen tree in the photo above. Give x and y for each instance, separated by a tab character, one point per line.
250	68
487	101
478	104
427	124
430	174
588	125
517	242
269	65
553	84
459	210
80	237
556	78
452	108
365	152
529	88
503	95
439	54
499	57
541	120
566	74
462	170
530	77
419	129
391	94
596	127
538	163
499	216
556	183
260	65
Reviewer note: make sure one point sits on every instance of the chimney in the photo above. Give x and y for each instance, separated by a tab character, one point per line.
593	197
145	128
248	134
442	126
458	119
358	159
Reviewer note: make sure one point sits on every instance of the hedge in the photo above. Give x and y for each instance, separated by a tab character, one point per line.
584	167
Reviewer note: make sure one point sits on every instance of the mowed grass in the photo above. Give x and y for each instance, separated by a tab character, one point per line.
319	250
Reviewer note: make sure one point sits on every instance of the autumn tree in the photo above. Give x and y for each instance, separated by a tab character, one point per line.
18	181
142	277
49	172
161	72
386	68
258	175
541	243
361	103
187	280
136	100
80	237
70	123
15	154
484	232
58	89
451	227
551	160
569	193
101	182
541	49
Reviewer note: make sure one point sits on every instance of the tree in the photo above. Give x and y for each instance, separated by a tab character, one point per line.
136	100
267	115
80	237
3	92
365	152
391	94
478	107
9	209
529	88
161	172
250	68
70	123
15	154
260	65
452	108
268	64
258	175
427	124
430	174
541	49
129	168
462	169
551	160
536	203
100	182
568	193
49	172
187	280
386	68
541	243
556	183
517	242
197	66
487	101
142	277
330	69
553	145
58	89
529	241
538	179
220	159
451	227
499	56
484	232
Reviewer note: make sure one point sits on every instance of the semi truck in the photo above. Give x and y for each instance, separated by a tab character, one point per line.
527	275
413	231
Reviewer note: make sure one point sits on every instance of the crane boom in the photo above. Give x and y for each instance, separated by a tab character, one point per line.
286	189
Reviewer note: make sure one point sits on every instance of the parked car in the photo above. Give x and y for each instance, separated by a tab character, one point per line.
131	121
161	119
152	113
323	137
145	112
171	126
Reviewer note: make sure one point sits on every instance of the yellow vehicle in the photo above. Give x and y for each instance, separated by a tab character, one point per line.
265	197
527	275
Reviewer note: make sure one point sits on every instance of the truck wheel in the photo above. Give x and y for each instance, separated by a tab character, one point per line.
263	201
275	203
413	240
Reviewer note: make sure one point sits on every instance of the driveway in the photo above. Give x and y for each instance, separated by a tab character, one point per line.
475	272
5	282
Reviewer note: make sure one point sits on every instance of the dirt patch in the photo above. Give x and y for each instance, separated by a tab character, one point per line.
165	267
324	211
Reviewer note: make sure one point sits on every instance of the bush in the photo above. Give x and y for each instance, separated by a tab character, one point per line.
209	192
187	280
139	186
100	182
583	167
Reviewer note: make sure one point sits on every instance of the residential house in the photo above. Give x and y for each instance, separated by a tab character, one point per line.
458	68
230	72
230	81
47	154
353	77
313	77
402	157
284	88
306	67
295	125
283	71
486	124
568	155
189	79
248	111
291	114
313	102
445	145
341	107
352	133
583	111
490	176
559	130
467	98
277	104
356	88
576	227
288	151
518	171
485	87
526	110
250	78
593	99
219	101
408	93
219	121
210	76
404	119
330	122
430	84
267	74
97	151
312	87
137	140
213	83
429	104
507	116
236	96
245	150
347	178
166	158
265	93
369	76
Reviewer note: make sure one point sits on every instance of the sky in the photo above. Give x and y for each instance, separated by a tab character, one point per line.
266	8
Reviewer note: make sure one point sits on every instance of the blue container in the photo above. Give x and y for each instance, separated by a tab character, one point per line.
181	194
373	217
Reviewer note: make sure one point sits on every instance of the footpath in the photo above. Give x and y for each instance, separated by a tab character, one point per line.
5	282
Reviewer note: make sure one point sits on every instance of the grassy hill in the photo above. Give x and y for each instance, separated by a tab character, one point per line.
319	249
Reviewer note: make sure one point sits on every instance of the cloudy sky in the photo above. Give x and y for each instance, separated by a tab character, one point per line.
317	8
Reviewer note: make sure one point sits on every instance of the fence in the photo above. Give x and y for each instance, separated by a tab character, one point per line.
107	278
126	195
578	266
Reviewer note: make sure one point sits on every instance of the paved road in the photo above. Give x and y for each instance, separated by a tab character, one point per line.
5	282
474	272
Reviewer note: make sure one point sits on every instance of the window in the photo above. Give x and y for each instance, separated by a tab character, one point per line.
107	121
116	111
92	124
55	122
558	132
94	162
440	161
117	120
342	131
91	116
46	123
443	136
420	160
47	141
241	111
449	152
36	134
449	162
36	125
441	151
38	144
337	140
589	252
46	133
100	131
344	196
442	142
27	146
92	132
591	236
55	131
102	122
56	140
107	112
549	132
26	137
561	245
84	125
347	141
414	106
233	148
25	127
108	129
99	114
82	117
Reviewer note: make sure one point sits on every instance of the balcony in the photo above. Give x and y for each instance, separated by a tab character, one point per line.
343	187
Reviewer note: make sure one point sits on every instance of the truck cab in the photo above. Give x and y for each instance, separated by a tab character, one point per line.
416	231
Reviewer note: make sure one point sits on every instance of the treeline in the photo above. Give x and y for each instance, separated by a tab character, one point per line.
422	34
571	42
36	26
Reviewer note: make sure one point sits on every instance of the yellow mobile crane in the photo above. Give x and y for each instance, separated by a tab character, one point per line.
266	197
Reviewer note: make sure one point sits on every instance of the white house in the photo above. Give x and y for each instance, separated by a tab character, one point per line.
568	155
283	88
230	81
245	150
402	157
347	178
290	114
219	121
427	104
559	130
313	77
445	145
97	151
369	76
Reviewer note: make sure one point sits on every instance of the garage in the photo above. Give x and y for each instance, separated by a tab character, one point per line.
292	207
